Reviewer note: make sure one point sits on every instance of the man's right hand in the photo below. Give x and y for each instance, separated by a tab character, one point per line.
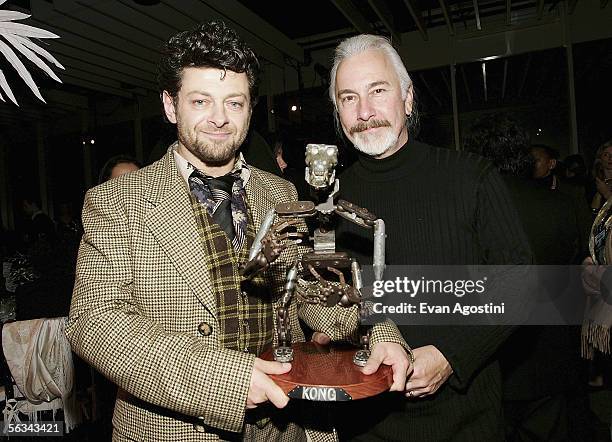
263	388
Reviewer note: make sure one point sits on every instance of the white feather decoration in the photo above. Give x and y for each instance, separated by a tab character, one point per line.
18	36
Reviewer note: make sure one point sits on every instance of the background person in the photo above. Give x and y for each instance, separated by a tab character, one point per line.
117	166
543	377
602	173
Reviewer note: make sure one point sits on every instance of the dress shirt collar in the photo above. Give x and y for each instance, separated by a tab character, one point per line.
185	167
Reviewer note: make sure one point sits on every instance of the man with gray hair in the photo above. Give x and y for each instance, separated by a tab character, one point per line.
441	207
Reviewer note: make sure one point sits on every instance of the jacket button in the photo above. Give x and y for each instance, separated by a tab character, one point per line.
205	329
199	427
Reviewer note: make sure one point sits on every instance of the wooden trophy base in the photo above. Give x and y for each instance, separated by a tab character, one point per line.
327	373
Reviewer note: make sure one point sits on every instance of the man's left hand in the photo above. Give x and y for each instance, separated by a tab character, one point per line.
392	354
431	370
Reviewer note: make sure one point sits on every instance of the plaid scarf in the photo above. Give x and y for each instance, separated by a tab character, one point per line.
244	307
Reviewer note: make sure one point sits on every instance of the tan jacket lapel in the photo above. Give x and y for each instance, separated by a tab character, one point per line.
259	196
172	222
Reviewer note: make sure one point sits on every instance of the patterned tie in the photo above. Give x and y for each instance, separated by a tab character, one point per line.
225	200
221	189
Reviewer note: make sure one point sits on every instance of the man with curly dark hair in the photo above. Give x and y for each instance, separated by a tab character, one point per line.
159	306
168	318
214	56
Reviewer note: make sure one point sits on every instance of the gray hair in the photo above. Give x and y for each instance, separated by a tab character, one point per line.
364	42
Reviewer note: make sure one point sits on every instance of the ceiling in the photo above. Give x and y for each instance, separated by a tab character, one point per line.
323	23
110	47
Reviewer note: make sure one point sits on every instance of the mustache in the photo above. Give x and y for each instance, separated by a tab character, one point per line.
360	127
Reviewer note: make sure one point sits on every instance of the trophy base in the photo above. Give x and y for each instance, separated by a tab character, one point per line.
328	373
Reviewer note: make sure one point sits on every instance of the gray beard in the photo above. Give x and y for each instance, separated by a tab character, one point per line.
377	146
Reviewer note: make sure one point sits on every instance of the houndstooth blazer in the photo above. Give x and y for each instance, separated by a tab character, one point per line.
144	311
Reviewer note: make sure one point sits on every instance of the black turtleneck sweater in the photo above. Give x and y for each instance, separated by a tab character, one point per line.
440	207
580	209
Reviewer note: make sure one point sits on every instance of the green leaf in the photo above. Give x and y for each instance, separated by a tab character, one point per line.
40	51
8	27
21	69
32	57
6	88
12	15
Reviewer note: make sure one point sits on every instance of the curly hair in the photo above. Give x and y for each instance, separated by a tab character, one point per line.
502	140
208	45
